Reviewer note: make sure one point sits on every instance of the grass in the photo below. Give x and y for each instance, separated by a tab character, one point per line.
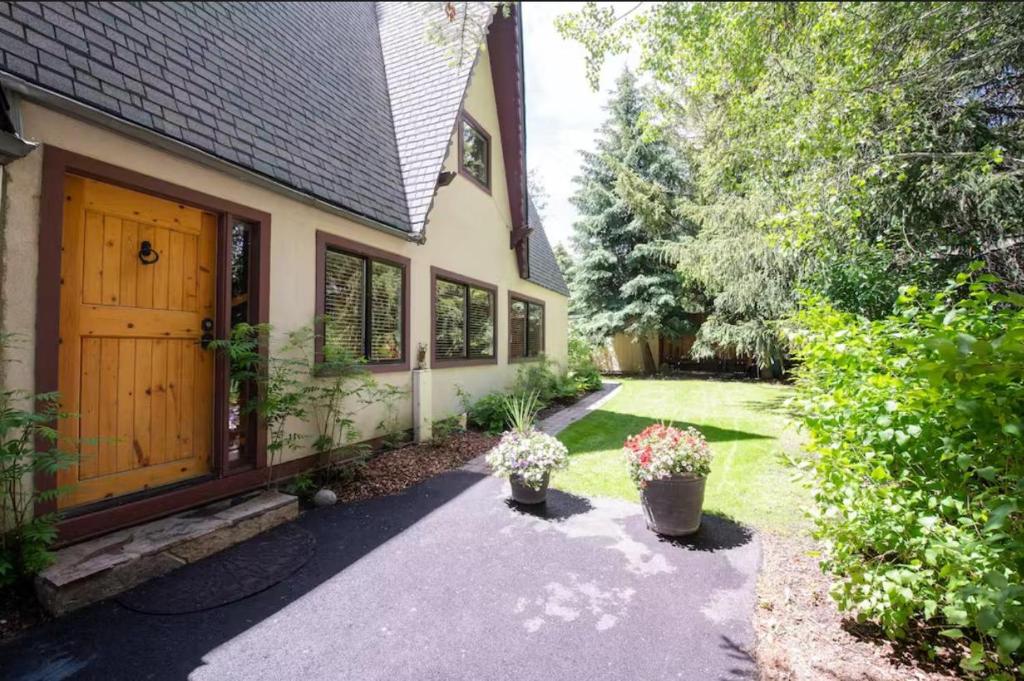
744	422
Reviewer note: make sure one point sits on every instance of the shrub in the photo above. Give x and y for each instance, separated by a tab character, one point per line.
661	451
916	421
25	538
488	413
443	429
540	378
582	368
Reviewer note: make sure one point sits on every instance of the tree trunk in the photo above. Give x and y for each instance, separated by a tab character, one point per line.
649	366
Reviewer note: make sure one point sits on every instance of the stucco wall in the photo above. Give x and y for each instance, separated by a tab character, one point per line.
467	232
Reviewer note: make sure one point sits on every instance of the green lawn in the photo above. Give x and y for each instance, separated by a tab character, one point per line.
744	422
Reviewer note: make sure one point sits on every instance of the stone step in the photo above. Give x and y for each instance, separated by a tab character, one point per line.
103	567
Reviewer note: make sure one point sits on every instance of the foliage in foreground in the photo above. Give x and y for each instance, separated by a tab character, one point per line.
541	379
917	422
291	384
25	538
833	144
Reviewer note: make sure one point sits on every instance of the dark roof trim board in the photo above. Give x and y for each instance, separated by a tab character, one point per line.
504	41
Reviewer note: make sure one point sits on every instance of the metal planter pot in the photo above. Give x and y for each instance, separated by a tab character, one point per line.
524	494
672	506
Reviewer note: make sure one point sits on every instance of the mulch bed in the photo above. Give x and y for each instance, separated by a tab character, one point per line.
393	471
19	610
802	636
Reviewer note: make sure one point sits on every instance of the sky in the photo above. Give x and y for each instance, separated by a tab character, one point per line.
562	111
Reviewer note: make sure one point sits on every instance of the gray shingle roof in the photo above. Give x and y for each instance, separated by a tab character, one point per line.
544	269
428	64
294	91
353	103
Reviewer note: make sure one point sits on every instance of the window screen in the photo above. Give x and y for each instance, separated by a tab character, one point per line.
363	305
464	321
526	329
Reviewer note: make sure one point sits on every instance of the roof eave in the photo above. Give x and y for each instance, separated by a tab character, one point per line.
77	109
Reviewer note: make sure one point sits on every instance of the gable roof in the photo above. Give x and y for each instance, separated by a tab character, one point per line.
544	269
350	104
428	66
293	91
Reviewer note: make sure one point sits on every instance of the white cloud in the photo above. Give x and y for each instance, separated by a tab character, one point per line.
562	112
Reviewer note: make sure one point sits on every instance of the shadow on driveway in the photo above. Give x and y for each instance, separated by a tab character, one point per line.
108	641
446	581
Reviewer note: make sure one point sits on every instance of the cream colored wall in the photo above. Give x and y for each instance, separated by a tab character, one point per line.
621	354
467	233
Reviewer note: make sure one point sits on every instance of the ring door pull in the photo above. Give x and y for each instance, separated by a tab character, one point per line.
207	336
147	256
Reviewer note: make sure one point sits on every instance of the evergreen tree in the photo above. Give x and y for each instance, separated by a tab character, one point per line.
566	263
627	196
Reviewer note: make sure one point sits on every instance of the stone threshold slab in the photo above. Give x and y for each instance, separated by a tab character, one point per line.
105	566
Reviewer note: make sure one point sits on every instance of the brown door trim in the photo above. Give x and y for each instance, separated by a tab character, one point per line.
57	163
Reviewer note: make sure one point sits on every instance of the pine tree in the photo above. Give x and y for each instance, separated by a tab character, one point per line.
627	194
566	263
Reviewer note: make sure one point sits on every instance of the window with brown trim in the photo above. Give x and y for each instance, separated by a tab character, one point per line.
525	328
464	313
474	151
362	303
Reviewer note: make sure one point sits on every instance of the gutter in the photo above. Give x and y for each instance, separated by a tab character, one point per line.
92	114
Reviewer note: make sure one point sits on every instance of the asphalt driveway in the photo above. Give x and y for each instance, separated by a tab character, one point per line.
447	581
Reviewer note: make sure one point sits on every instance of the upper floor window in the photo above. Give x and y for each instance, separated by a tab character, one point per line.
525	327
362	303
464	315
474	151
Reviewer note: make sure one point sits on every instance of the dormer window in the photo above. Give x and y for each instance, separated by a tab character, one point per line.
474	152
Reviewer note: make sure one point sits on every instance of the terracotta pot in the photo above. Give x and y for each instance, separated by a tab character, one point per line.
524	494
672	506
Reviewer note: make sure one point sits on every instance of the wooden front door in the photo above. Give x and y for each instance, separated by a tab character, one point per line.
132	368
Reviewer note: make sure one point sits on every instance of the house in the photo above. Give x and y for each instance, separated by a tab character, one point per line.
173	168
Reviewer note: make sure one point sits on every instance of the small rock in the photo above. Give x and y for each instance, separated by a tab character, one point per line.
325	497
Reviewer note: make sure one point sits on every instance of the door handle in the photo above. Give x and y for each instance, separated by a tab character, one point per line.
207	337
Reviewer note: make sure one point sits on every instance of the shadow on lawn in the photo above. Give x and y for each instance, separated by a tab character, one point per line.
777	405
603	430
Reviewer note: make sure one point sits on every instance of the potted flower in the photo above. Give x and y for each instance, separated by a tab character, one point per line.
670	466
525	455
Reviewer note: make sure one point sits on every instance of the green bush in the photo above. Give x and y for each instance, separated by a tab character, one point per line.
582	368
916	422
25	538
540	377
489	413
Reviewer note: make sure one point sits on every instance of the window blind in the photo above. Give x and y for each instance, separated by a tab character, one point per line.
385	312
517	329
450	324
481	323
344	310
